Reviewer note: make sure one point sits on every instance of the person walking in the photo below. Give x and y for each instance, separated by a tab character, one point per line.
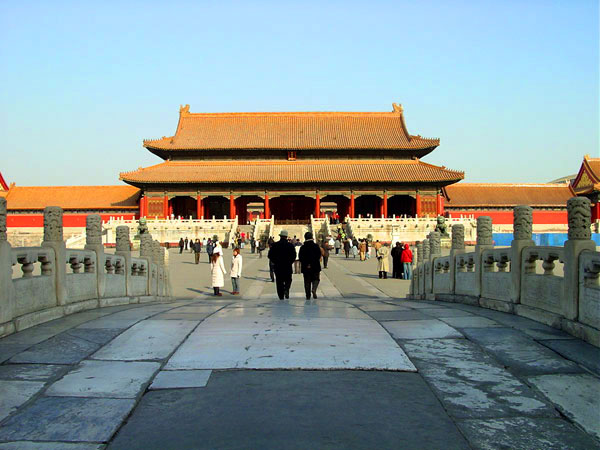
185	241
297	246
217	271
362	248
325	252
196	247
310	256
181	244
347	247
204	242
383	265
260	247
396	255
252	245
367	249
209	250
337	245
407	258
282	255
236	271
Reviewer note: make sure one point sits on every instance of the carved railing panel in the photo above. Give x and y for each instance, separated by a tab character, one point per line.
589	290
496	275
542	290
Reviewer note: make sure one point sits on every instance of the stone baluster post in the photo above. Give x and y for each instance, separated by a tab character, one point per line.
458	247
435	251
146	253
7	290
53	238
93	242
414	282
156	258
123	248
423	267
484	241
522	233
580	234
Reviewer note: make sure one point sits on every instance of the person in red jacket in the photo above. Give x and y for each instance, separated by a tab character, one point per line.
406	259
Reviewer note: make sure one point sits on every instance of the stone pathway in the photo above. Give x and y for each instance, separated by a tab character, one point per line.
361	367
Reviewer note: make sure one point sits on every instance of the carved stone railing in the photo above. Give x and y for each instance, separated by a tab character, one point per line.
38	284
558	286
405	229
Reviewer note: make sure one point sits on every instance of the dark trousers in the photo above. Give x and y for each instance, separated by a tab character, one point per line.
180	250
311	283
347	252
325	259
283	282
271	272
209	256
196	257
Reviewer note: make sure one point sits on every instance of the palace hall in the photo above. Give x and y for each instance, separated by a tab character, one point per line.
291	165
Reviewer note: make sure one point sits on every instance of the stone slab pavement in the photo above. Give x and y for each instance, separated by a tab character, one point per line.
239	371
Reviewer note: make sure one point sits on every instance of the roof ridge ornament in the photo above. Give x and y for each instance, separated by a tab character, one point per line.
398	107
184	109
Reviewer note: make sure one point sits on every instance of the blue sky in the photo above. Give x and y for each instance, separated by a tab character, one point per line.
510	87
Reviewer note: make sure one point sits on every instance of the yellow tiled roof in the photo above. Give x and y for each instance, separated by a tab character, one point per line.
292	131
300	171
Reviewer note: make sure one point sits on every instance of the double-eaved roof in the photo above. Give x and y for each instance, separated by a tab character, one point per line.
297	172
292	131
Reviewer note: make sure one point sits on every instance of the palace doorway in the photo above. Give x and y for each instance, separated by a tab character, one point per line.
290	209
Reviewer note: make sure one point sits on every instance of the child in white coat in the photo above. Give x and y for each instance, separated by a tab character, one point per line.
217	271
236	270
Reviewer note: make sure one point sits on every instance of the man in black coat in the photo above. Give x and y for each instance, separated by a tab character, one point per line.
310	259
282	255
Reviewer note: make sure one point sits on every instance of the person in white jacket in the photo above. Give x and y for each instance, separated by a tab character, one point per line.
236	270
217	270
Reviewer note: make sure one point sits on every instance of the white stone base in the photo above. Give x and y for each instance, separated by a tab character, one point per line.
80	306
35	318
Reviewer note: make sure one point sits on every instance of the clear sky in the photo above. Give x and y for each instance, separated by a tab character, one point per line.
509	86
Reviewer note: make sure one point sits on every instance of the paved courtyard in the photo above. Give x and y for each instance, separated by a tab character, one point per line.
360	367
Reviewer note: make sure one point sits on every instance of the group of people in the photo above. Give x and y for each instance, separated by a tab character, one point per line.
288	256
283	254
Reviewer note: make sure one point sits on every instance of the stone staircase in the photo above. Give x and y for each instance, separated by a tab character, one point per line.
293	230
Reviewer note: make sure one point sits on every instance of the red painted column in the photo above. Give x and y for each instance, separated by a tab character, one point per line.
418	205
199	207
439	205
231	207
318	206
142	202
165	206
352	206
596	211
267	210
385	205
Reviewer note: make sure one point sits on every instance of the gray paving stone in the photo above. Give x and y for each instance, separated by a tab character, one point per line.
7	351
446	312
398	315
62	349
293	410
28	445
177	379
576	396
14	393
109	322
382	307
524	433
196	317
30	372
420	329
519	352
413	304
576	350
470	383
112	379
150	339
98	335
470	322
530	327
67	419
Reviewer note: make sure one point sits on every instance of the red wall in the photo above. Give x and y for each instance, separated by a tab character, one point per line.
69	220
506	217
